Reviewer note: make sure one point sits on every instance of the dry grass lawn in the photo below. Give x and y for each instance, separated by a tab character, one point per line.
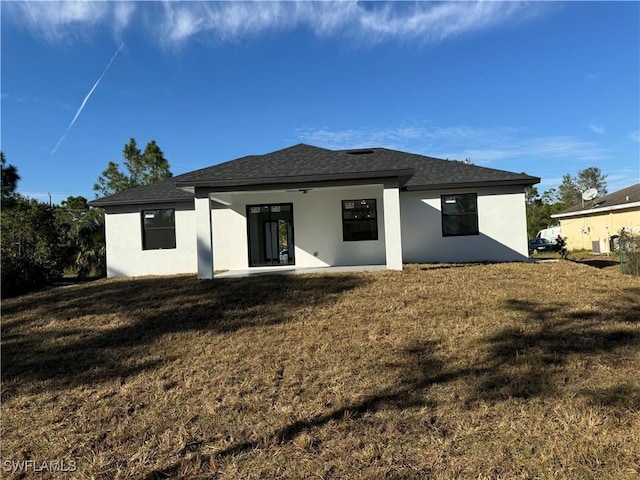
509	371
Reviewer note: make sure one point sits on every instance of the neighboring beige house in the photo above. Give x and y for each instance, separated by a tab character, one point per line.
596	224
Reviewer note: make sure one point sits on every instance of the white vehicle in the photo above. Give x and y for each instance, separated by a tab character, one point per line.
550	234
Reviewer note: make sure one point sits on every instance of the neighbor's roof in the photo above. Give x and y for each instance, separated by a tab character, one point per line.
626	198
305	164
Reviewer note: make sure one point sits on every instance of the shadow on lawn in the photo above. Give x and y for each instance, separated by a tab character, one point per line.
529	360
522	362
598	262
41	347
419	371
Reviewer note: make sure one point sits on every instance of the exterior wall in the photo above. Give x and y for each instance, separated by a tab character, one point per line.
317	223
125	256
502	224
317	218
582	231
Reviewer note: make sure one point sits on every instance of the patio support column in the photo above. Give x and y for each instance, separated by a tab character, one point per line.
392	226
204	244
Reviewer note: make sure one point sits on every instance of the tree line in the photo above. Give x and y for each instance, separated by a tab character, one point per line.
41	242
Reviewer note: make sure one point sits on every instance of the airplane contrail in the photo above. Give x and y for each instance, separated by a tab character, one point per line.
84	102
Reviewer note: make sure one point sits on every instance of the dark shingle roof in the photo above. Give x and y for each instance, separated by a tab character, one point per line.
307	164
161	192
620	198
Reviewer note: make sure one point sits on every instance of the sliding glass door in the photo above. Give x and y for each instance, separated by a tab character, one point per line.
270	229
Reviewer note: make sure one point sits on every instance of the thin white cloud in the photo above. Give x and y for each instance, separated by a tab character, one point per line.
542	148
402	137
635	135
368	22
437	21
599	129
173	23
69	21
35	100
86	99
482	145
122	14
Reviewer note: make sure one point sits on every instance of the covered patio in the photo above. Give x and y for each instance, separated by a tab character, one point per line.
293	270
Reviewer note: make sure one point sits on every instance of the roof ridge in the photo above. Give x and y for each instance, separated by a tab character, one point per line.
304	162
298	145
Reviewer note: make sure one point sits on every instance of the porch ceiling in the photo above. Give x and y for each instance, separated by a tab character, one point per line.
226	197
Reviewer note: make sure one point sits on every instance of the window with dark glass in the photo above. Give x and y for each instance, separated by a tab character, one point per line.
359	220
158	229
459	214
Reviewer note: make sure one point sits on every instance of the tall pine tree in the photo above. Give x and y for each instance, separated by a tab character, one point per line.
10	180
142	168
571	189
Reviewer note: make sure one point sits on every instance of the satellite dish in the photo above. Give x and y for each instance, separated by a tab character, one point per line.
589	194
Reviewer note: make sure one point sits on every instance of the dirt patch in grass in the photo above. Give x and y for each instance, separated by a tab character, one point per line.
440	371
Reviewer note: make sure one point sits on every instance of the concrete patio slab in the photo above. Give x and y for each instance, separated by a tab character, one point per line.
293	270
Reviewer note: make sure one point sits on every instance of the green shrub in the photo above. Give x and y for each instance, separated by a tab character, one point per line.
629	249
31	249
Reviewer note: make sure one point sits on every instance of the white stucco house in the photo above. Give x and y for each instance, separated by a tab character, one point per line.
306	207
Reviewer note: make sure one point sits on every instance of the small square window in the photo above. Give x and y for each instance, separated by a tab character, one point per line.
459	214
158	229
359	220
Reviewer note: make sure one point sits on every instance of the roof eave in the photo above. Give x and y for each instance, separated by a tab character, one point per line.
485	183
578	213
140	201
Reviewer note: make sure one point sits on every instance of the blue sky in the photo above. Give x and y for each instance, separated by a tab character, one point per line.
538	87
